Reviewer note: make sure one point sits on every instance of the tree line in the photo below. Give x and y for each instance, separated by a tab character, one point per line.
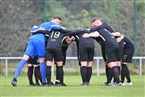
18	16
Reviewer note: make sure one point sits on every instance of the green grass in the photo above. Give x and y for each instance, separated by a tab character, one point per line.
96	88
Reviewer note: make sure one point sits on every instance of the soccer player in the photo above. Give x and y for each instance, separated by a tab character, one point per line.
111	51
127	58
127	51
36	45
98	22
66	41
54	50
85	55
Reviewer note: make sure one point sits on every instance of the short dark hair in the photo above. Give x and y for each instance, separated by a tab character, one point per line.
56	17
93	20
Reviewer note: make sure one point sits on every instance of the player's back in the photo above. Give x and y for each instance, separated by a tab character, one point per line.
104	33
83	41
55	39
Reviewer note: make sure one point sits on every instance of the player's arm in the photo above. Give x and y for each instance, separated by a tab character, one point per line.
36	28
41	32
67	32
74	32
56	27
93	34
112	30
118	39
116	34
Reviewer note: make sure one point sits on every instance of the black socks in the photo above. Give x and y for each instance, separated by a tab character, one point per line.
89	73
59	73
86	73
48	74
30	74
83	70
125	73
109	74
116	74
37	74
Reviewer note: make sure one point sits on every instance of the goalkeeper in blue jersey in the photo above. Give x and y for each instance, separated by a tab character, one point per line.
36	45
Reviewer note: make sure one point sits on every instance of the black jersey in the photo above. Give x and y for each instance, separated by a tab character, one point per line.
108	27
104	25
85	47
83	41
55	40
108	38
56	37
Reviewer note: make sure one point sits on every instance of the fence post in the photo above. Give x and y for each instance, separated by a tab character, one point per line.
140	67
97	66
6	67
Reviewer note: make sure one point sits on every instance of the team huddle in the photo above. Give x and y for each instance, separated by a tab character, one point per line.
49	41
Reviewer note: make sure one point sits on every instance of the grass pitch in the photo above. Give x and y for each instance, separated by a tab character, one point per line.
96	88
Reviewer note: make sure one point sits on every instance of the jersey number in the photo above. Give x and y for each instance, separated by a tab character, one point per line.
55	34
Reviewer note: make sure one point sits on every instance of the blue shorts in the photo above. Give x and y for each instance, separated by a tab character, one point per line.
35	47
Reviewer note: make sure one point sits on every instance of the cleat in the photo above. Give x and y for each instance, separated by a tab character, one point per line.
127	84
44	84
85	84
118	84
50	84
32	84
60	84
123	84
63	84
37	84
14	82
109	84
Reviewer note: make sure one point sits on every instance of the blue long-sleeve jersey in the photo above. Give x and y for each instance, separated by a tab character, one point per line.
45	25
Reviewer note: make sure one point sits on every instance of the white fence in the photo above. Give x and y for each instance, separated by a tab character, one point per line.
97	59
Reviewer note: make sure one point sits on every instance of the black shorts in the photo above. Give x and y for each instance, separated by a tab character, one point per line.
54	53
86	52
111	53
128	54
128	51
33	60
